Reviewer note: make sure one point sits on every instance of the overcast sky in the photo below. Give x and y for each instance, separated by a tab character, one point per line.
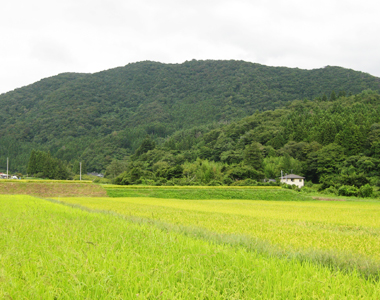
42	38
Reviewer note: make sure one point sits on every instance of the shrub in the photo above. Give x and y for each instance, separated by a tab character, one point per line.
309	184
357	180
215	183
286	186
348	190
227	180
366	191
170	183
307	190
331	190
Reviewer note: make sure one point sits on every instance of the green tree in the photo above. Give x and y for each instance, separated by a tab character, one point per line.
325	161
32	164
115	168
332	96
146	145
253	156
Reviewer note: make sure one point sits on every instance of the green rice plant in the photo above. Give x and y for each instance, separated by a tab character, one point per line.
335	227
224	187
51	251
210	193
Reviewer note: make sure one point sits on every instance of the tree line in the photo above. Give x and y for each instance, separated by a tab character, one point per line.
42	165
105	116
333	141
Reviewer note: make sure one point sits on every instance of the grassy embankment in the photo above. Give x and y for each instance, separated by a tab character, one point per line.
51	251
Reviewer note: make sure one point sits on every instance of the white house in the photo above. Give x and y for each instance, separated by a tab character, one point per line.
291	179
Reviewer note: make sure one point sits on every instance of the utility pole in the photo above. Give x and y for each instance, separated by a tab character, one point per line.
7	167
80	171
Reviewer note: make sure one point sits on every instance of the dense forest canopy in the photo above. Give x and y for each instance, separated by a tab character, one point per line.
102	117
334	142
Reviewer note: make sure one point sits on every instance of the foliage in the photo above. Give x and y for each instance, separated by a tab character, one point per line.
348	190
154	124
242	150
43	165
100	117
366	191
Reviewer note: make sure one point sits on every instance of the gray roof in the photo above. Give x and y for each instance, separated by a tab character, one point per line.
292	176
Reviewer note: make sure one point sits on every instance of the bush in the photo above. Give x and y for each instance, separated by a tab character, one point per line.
170	183
366	191
309	184
331	190
327	182
307	190
348	190
161	181
214	183
227	180
286	186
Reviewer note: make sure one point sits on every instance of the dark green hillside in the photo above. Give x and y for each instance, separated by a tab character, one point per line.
98	117
335	143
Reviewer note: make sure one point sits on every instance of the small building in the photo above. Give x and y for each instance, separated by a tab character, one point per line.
291	179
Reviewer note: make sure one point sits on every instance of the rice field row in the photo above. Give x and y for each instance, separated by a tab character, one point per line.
337	227
207	193
52	251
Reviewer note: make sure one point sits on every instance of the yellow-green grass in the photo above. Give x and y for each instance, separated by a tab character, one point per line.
205	193
51	251
342	228
114	186
50	188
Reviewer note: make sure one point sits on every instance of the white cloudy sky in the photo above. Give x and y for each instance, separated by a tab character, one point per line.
42	38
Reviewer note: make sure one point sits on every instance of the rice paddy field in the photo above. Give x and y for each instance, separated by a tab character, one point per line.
141	246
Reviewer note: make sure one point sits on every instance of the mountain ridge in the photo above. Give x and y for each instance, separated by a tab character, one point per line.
68	114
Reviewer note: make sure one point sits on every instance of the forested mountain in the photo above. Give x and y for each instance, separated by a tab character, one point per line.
333	141
104	116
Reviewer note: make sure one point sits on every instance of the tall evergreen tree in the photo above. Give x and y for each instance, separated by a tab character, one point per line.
332	96
253	156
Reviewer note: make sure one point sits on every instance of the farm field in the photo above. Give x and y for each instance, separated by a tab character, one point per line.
54	251
206	192
51	188
346	233
184	243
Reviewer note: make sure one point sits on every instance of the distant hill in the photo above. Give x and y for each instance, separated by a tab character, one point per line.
97	117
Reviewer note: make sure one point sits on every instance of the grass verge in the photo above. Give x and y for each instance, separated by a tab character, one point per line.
205	193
